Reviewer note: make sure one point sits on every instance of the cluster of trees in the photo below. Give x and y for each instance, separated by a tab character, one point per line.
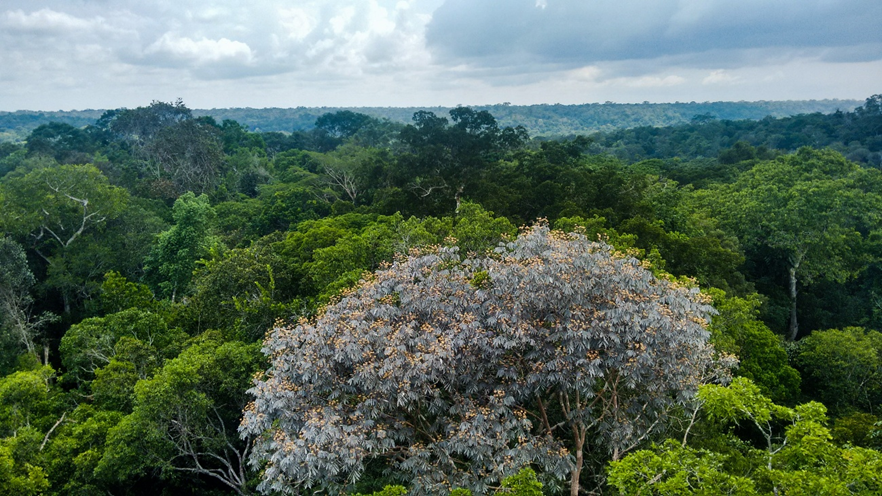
856	134
187	306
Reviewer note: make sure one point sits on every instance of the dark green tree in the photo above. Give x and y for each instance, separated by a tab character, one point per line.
843	368
446	160
93	343
342	124
737	329
57	211
63	142
141	124
19	327
187	154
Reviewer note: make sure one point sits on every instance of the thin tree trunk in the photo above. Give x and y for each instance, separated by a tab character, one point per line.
579	435
794	326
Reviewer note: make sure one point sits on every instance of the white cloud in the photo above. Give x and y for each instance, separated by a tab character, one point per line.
48	20
298	22
342	19
200	51
719	76
588	73
210	14
345	39
380	20
652	81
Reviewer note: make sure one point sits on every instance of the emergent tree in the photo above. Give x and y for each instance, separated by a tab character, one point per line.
457	372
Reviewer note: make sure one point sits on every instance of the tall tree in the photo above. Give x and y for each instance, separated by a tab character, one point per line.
55	209
812	209
342	124
141	124
448	159
189	154
459	372
177	152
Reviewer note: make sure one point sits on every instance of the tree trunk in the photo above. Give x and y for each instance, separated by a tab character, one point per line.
458	198
794	326
579	435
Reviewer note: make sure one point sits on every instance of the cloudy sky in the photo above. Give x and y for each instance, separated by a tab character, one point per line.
76	54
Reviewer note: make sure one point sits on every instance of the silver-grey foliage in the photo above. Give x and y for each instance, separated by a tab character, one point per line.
459	372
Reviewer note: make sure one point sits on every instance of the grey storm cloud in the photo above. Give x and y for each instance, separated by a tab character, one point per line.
581	32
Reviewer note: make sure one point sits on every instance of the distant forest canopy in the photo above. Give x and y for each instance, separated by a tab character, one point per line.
539	120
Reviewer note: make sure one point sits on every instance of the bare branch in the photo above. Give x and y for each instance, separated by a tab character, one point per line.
46	438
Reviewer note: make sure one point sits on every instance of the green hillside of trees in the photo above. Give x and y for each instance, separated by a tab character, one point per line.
449	302
539	120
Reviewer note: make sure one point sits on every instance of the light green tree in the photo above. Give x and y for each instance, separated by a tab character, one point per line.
170	264
17	477
30	410
74	450
674	469
794	454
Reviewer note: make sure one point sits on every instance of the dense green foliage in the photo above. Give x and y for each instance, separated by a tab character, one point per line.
145	254
795	454
854	134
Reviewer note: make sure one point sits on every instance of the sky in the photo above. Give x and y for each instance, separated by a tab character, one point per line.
79	54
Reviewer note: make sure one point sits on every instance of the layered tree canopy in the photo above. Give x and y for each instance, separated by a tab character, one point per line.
413	342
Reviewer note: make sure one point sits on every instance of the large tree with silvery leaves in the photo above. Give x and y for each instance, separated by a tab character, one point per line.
458	372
